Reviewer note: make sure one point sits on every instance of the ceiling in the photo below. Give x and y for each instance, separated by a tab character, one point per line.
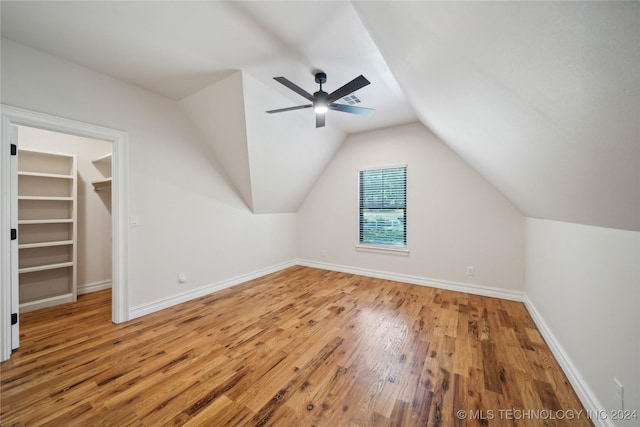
542	98
177	48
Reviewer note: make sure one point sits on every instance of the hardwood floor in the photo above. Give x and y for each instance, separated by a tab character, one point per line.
301	347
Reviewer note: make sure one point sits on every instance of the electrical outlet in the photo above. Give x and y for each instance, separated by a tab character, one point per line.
182	277
619	393
323	252
471	271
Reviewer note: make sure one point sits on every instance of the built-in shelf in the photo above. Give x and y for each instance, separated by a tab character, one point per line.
46	302
45	244
44	221
45	175
103	165
47	192
105	158
45	267
49	198
102	184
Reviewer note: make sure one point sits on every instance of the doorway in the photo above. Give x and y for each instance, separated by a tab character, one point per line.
64	217
9	291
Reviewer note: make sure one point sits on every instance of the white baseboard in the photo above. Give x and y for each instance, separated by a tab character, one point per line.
93	287
469	288
46	302
151	307
163	303
582	389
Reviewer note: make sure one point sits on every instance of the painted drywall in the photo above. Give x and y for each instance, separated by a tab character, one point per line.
455	218
585	283
222	125
287	153
190	218
542	98
94	208
272	160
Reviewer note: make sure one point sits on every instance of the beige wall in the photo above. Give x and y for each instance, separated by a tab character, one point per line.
585	282
455	217
190	219
94	208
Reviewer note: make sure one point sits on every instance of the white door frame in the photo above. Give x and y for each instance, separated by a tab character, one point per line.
119	204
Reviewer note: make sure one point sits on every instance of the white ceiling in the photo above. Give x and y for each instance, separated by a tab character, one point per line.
177	48
542	98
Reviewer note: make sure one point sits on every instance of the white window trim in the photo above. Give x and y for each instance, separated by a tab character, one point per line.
398	250
390	250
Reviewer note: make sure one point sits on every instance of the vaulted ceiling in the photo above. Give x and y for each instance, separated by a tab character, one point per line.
542	98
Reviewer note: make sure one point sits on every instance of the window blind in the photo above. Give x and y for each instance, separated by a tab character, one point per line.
383	207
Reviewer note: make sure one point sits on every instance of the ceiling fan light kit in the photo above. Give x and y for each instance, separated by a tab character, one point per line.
320	108
322	101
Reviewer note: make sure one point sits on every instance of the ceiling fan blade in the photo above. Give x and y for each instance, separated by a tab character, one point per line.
351	109
355	84
299	107
294	87
320	120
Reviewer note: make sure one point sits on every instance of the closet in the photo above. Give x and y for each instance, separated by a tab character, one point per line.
64	217
47	212
103	164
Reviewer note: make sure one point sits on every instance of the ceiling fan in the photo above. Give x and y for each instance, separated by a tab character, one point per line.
322	101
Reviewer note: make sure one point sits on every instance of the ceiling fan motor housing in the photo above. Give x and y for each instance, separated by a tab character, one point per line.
320	99
321	78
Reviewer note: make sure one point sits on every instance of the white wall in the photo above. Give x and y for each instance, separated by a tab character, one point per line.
271	159
584	281
94	208
222	126
191	220
287	152
455	218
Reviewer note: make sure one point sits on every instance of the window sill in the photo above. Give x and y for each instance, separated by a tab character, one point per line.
401	251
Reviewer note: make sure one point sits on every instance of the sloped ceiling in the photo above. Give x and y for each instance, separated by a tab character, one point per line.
272	161
177	48
222	125
542	98
190	51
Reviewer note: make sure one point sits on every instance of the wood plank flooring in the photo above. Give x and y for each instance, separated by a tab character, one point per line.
301	347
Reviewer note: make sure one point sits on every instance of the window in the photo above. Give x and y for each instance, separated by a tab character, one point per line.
383	207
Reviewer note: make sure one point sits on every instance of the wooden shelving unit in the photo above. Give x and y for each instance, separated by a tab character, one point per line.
103	164
47	229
